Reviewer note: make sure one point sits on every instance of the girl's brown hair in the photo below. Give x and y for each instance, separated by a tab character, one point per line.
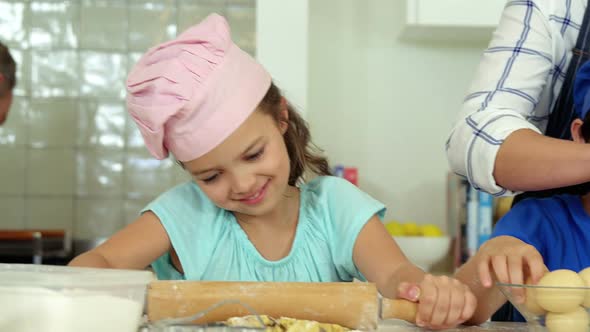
7	70
303	154
582	188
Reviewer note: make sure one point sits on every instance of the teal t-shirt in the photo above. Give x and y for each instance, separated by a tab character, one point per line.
211	245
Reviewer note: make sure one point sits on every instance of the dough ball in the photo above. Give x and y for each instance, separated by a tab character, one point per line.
574	321
560	300
585	275
531	300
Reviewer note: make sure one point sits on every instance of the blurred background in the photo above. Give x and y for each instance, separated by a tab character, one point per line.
379	81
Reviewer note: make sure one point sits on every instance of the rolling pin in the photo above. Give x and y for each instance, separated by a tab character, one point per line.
355	305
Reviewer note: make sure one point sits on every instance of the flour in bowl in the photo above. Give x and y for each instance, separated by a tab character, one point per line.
32	309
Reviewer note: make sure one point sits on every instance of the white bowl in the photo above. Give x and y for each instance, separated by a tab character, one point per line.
424	251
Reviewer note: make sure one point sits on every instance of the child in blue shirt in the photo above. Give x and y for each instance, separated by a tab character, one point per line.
536	235
247	215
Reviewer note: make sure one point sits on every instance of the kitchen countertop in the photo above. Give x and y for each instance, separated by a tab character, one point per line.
384	326
401	326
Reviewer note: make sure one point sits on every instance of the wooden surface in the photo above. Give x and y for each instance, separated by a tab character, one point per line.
30	234
354	305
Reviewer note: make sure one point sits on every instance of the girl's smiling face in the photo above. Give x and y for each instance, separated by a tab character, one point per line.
247	173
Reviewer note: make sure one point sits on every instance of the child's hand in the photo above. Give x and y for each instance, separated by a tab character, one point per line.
443	302
504	258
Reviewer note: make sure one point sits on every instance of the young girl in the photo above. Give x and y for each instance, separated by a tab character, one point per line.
247	215
536	235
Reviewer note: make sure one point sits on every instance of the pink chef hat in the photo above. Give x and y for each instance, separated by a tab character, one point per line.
189	94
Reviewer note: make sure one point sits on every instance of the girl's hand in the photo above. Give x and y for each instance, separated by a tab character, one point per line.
505	259
443	302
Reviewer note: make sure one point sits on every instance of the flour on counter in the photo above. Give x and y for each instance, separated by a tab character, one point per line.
28	309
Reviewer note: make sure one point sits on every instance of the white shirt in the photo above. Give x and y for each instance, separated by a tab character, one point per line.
517	83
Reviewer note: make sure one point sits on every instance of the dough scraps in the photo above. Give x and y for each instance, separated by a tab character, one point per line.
285	324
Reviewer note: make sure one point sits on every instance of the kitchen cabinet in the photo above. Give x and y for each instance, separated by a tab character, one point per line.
452	19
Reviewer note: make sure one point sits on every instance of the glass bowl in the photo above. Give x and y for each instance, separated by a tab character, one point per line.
552	308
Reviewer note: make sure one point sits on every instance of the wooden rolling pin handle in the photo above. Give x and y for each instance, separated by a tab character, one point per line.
398	309
355	305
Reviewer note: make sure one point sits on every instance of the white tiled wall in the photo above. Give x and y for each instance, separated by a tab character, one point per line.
69	155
